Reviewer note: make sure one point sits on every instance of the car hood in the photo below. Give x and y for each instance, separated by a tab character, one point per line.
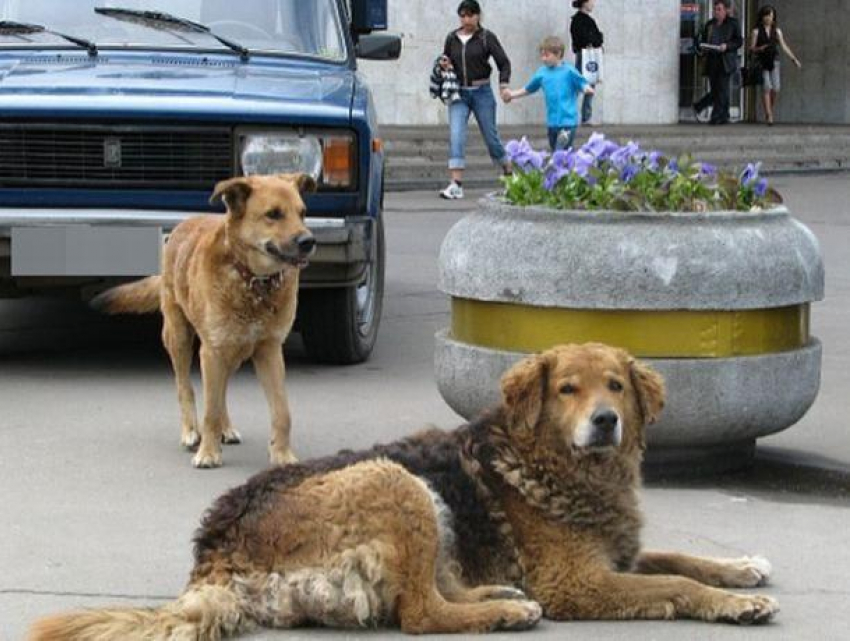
176	84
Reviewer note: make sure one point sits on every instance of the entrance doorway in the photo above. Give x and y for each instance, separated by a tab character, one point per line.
692	84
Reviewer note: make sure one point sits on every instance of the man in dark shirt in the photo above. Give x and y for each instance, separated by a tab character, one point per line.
721	39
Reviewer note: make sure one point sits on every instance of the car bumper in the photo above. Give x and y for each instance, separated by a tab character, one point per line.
340	259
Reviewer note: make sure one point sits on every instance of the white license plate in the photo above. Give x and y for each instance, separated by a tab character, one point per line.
86	251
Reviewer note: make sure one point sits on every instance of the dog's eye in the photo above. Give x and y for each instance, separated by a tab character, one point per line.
274	214
615	386
567	389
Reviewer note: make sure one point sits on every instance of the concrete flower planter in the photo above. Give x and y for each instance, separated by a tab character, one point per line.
717	302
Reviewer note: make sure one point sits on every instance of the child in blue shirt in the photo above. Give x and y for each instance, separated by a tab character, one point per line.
561	84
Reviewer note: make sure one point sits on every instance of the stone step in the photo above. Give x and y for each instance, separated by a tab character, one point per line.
486	176
439	149
417	156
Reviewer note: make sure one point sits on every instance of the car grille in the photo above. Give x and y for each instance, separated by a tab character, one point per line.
114	156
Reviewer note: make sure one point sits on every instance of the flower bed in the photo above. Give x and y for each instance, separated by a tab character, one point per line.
602	175
700	272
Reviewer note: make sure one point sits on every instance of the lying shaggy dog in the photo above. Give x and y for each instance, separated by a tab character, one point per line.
233	281
540	494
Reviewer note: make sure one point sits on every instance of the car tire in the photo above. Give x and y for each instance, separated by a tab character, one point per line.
339	325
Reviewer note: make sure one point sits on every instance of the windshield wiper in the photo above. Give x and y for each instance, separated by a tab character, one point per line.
10	27
168	22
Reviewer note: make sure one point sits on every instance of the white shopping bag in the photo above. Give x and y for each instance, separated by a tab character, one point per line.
591	65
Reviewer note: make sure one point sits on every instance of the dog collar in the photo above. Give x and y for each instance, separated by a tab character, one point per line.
260	286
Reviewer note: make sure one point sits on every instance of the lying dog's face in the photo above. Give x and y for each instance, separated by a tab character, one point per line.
582	398
266	216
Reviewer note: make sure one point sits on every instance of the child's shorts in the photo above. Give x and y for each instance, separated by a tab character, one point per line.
561	137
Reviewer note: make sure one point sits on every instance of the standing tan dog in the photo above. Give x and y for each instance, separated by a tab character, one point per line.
539	494
233	281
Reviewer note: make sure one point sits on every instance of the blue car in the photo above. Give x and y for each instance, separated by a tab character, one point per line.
118	119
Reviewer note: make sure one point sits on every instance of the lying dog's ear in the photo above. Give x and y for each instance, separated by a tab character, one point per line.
649	388
234	192
305	183
523	386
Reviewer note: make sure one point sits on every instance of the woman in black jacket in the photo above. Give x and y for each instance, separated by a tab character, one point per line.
765	42
468	51
584	34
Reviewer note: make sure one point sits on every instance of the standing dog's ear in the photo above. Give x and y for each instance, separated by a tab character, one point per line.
523	386
305	183
649	389
234	192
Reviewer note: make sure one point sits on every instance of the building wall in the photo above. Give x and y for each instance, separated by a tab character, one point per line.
818	33
641	58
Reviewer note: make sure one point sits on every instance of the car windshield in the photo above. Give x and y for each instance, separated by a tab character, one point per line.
292	27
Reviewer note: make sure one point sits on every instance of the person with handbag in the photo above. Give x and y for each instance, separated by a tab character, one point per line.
765	41
586	38
721	39
467	52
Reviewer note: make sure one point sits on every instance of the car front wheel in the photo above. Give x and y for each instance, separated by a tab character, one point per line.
339	325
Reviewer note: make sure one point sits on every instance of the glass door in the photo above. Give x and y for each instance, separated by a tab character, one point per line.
692	84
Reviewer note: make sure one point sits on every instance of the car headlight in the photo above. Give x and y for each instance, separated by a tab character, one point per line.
329	158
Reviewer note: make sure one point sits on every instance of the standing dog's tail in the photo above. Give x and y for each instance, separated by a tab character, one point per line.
202	613
140	297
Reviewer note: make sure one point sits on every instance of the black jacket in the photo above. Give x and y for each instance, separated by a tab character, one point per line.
471	60
584	32
728	33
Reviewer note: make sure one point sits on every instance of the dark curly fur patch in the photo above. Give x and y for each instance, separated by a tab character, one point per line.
433	456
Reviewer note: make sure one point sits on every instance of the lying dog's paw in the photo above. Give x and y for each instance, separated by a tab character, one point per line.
205	459
505	592
747	609
520	615
231	436
748	572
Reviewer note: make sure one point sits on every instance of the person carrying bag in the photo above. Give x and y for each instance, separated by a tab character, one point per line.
587	42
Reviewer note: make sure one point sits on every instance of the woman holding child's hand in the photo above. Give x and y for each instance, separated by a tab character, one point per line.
467	52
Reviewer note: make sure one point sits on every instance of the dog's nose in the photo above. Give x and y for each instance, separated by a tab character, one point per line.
306	243
605	419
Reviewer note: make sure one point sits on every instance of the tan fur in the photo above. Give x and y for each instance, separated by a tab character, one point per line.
202	292
358	540
574	514
358	547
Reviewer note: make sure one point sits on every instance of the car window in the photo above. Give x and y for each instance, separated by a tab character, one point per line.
298	27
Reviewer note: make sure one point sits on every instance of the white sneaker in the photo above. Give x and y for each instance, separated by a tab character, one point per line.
452	192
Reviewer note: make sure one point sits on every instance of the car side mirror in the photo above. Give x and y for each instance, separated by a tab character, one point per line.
378	46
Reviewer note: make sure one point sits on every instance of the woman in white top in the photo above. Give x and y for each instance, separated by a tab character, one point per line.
765	41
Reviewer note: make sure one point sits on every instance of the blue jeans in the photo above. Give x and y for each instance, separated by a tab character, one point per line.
481	102
553	137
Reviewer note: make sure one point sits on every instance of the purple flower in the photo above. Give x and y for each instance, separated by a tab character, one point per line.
523	156
761	187
563	158
623	156
629	172
582	162
652	160
750	174
599	148
554	175
673	166
707	171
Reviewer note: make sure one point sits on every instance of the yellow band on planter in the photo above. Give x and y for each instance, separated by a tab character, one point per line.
659	334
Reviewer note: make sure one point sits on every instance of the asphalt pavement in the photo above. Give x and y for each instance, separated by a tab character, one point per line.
99	502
